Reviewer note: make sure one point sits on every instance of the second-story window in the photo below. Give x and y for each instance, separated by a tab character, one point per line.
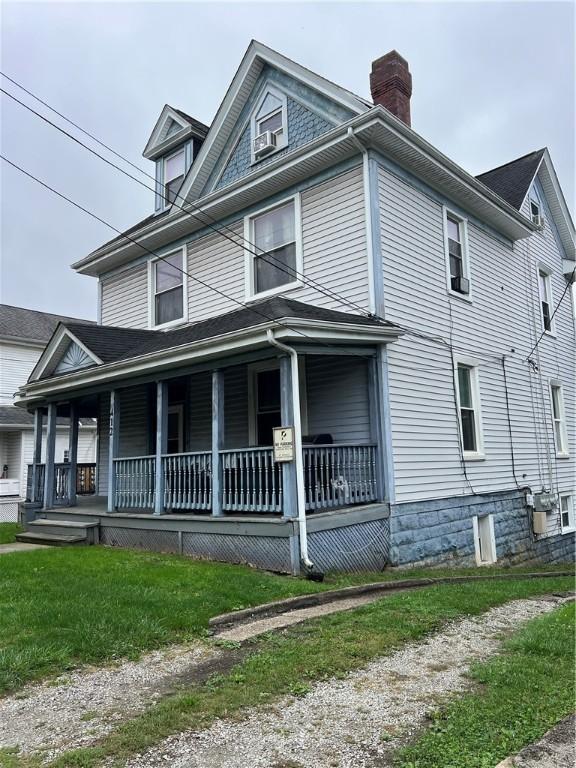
273	255
545	290
457	254
173	176
559	420
469	410
168	299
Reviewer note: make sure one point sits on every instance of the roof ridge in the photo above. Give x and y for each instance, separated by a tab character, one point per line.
42	312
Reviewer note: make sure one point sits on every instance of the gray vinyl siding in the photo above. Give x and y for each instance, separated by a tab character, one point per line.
134	422
200	412
125	298
236	407
337	399
500	319
334	255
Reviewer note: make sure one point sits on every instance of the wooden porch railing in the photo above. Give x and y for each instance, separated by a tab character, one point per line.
339	475
135	482
252	481
85	482
187	480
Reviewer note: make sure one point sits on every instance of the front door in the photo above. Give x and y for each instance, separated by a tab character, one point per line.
267	404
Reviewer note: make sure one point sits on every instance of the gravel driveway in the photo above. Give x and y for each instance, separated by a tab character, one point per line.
355	722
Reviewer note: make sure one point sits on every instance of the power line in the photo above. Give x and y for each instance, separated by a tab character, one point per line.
569	282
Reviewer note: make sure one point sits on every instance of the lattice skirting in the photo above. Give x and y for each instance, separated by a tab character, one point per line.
9	511
359	547
132	538
268	552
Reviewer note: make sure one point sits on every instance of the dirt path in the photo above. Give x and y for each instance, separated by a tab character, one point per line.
355	722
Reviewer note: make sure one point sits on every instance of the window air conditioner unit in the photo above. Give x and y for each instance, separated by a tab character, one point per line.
538	220
264	144
460	284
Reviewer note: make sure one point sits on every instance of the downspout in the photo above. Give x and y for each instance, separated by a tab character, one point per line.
300	495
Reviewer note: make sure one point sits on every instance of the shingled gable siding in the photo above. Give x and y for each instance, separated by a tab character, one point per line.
425	437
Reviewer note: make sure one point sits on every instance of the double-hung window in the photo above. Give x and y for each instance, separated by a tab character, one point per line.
567	517
168	295
173	176
535	212
457	254
469	410
545	291
559	419
273	258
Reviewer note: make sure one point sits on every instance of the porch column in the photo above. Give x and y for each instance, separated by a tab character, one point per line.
217	440
37	453
50	451
72	454
381	424
161	444
113	440
289	489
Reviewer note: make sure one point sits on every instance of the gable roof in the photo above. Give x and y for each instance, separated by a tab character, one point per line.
512	180
256	57
30	325
12	417
162	139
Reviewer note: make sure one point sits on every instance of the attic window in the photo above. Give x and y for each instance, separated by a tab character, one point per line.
535	212
173	175
269	129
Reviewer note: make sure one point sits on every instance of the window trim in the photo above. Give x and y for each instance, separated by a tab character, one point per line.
571	527
253	123
253	370
251	251
547	272
473	365
448	213
562	452
180	150
152	292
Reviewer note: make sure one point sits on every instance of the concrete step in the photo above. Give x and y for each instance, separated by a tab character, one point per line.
51	539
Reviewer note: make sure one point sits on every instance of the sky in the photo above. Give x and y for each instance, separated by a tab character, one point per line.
491	82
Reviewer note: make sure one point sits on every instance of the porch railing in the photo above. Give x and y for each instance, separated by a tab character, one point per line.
135	482
85	482
252	481
187	480
339	475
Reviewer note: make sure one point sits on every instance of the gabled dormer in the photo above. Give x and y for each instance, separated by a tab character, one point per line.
173	145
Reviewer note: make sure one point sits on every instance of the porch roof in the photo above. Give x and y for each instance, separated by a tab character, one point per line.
120	352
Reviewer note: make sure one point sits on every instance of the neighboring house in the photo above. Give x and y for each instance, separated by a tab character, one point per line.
23	335
335	273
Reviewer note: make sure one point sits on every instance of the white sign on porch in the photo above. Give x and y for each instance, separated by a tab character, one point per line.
283	443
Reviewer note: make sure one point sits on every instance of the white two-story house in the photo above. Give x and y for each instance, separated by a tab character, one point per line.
23	335
328	346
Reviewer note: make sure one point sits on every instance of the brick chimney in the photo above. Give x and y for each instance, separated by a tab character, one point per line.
391	85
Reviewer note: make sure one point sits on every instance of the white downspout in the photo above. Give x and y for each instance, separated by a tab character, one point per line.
300	495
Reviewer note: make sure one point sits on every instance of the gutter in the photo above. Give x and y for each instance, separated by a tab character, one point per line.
300	495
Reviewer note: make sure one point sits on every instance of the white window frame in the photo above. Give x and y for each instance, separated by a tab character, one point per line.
152	325
252	251
547	272
254	123
571	527
269	365
473	365
532	200
493	557
463	224
562	450
181	150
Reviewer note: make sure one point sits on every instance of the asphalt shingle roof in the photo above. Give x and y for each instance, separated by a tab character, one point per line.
31	325
512	180
200	127
11	416
112	344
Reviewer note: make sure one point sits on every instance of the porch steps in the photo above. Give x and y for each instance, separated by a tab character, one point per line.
59	532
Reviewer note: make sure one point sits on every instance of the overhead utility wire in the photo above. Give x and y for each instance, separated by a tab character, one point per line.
208	220
322	289
569	282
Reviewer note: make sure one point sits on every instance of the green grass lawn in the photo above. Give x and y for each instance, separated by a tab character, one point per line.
8	532
521	694
289	662
60	608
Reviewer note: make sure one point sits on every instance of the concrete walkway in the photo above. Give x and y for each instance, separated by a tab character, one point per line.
17	546
556	749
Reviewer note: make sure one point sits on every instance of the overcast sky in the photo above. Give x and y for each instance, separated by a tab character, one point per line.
491	82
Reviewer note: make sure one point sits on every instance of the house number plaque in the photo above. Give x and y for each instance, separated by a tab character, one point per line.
283	443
